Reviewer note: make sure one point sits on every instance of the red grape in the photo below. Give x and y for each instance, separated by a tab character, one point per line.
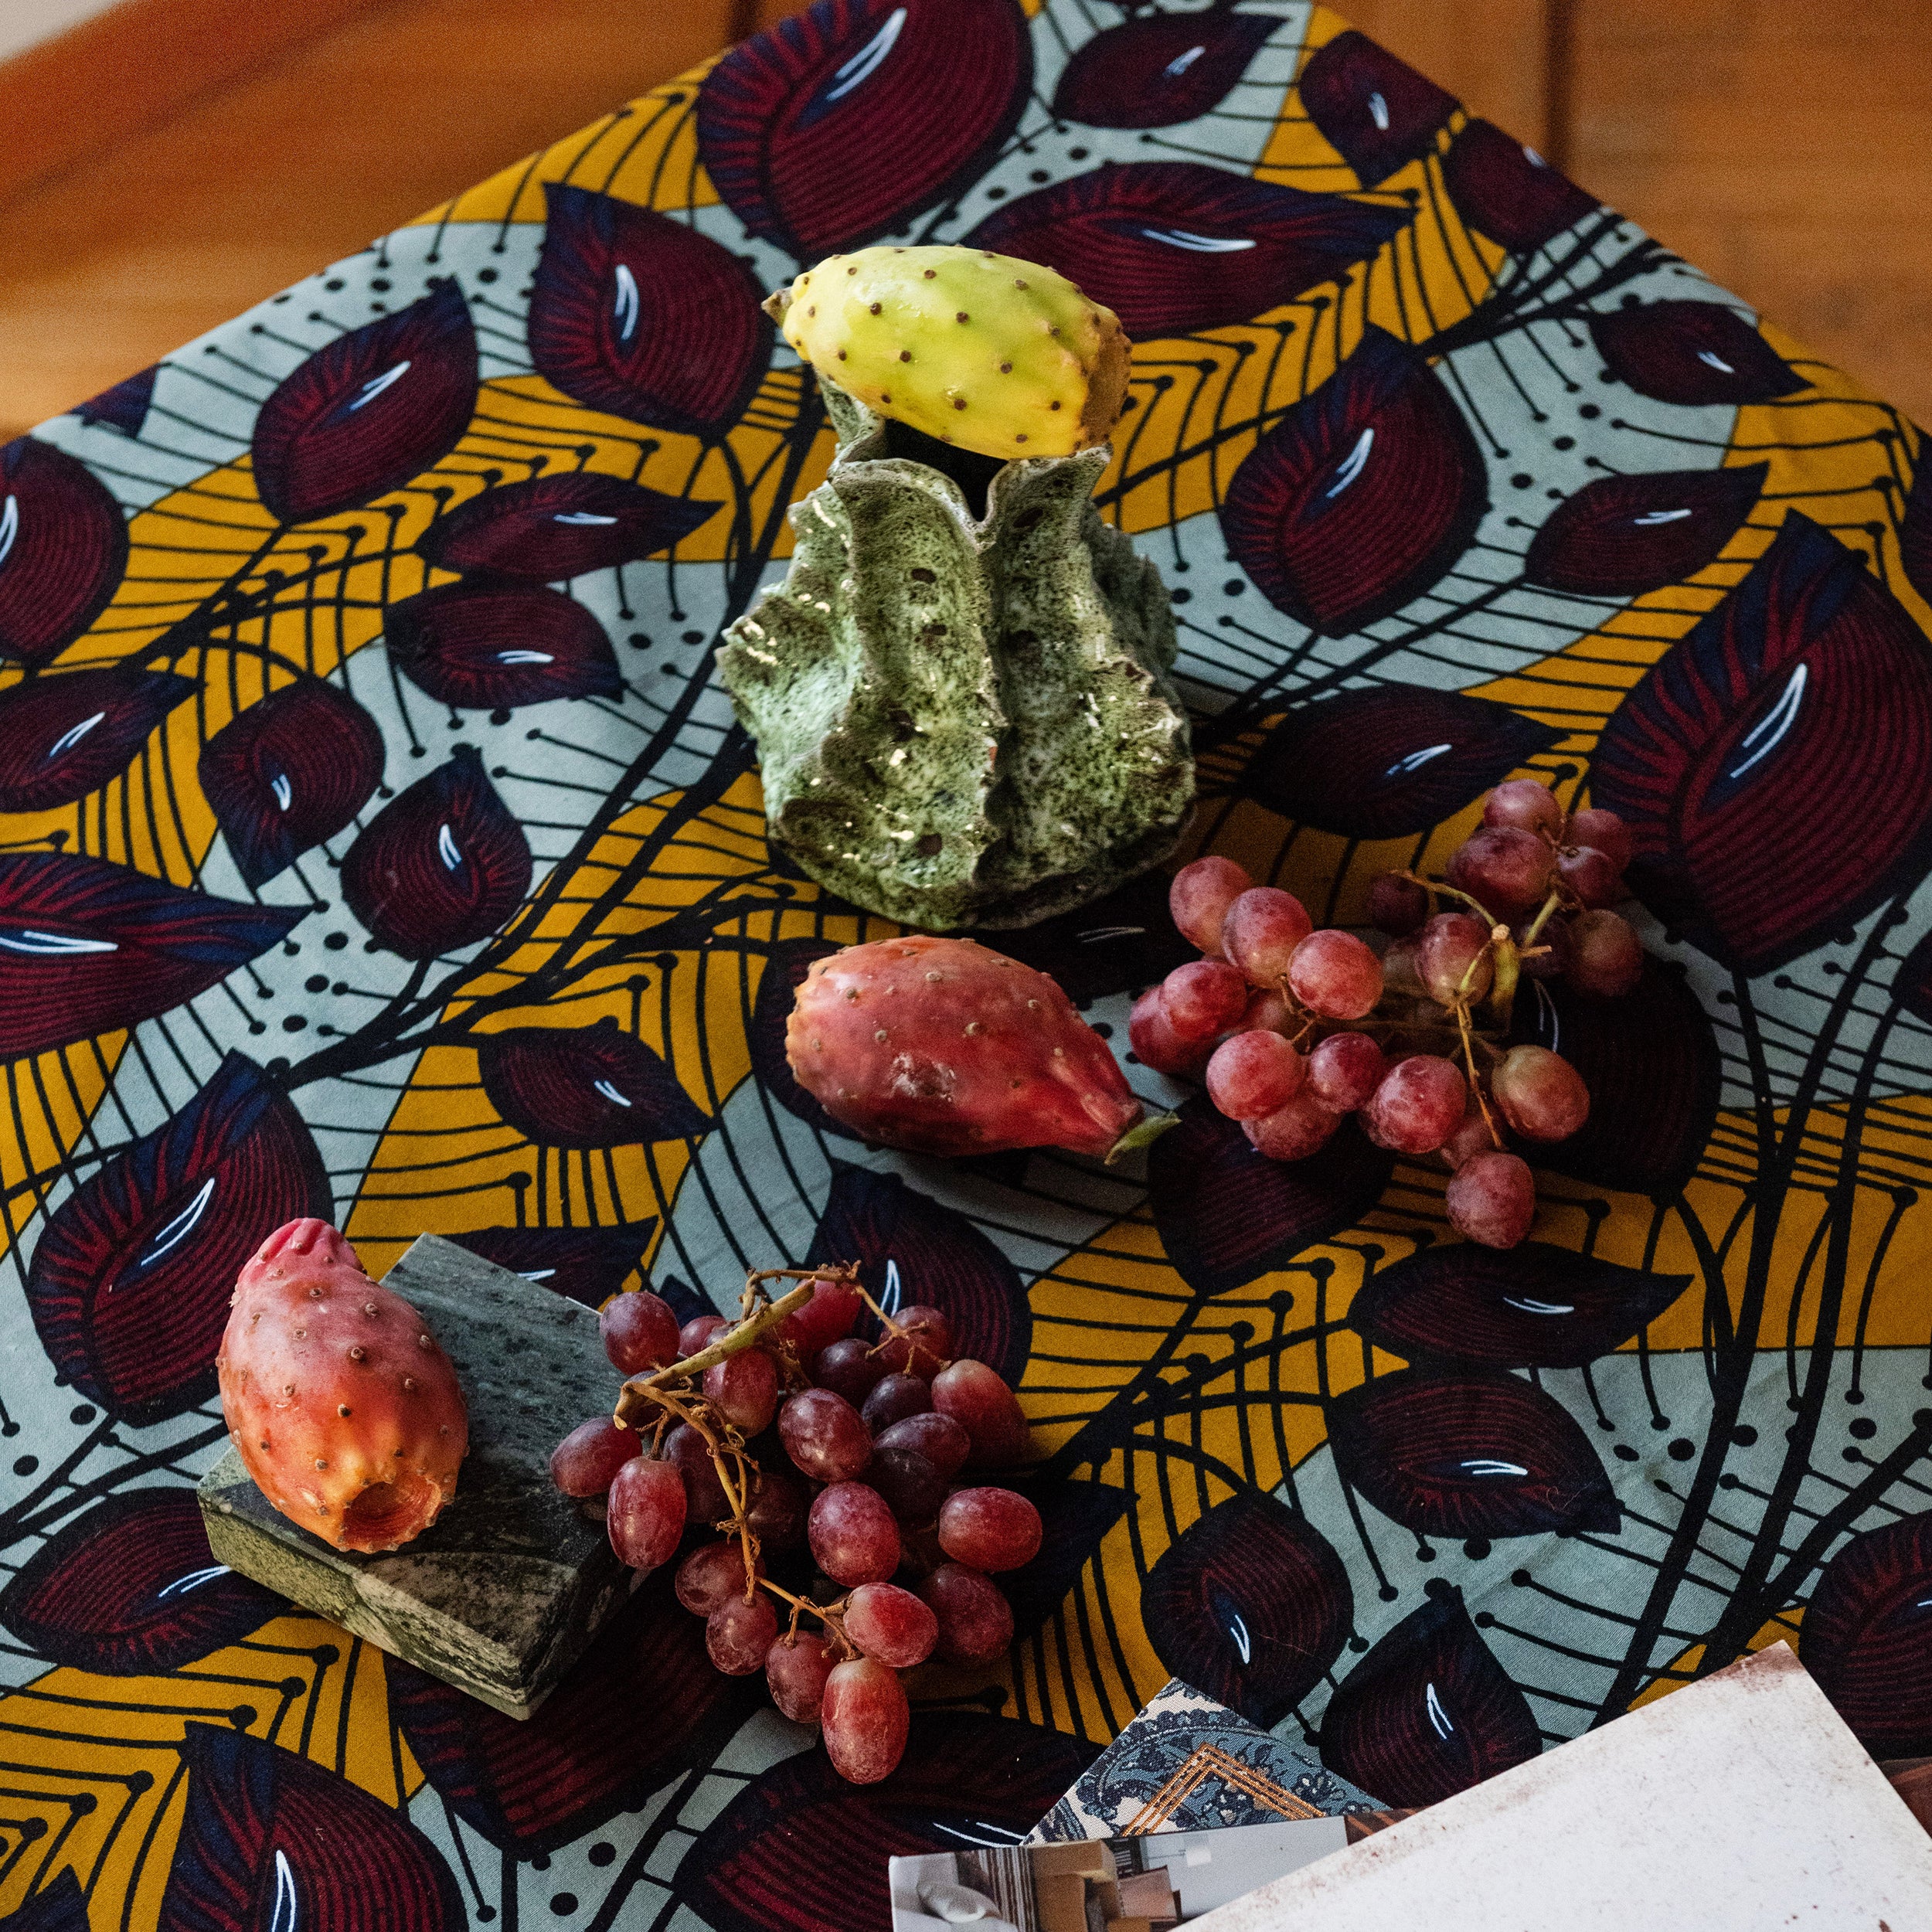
1253	1073
1451	943
1398	906
1335	974
778	1511
891	1625
1202	999
699	1332
584	1462
796	1669
826	1317
1471	1138
924	1349
1199	896
823	1435
1589	875
975	1620
738	1635
893	1399
640	1332
912	1488
865	1718
743	1389
854	1538
989	1528
943	1441
1294	1132
1606	831
1419	1104
646	1512
1344	1070
1505	867
1156	1044
1492	1199
1542	1095
1267	1011
685	1450
711	1575
1262	927
1607	957
1402	968
986	1409
1524	803
848	1368
1552	948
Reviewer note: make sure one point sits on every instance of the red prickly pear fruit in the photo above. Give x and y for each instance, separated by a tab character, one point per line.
944	1046
340	1404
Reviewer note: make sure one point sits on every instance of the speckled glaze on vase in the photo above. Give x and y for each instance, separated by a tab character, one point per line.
963	720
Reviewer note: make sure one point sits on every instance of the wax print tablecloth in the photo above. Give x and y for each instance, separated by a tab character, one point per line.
376	845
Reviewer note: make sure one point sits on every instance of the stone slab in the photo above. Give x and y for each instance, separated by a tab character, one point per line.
500	1595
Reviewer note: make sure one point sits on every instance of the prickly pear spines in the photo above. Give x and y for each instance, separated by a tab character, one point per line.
944	1046
985	351
340	1404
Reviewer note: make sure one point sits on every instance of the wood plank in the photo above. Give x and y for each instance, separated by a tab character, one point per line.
287	157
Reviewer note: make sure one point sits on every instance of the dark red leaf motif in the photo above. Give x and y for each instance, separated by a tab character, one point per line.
913	1251
290	772
778	1858
585	1086
642	316
1509	192
1376	112
124	406
1074	1517
1119	943
1391	760
1175	247
1469	1454
1623	535
482	646
1361	496
1915	531
1160	68
785	969
587	1265
1227	1214
1429	1712
129	1283
642	1707
1691	352
63	549
1249	1605
129	1588
59	1906
1867	1636
87	947
62	737
271	1841
1651	1064
1912	983
441	865
839	123
1532	1307
376	408
1809	681
554	527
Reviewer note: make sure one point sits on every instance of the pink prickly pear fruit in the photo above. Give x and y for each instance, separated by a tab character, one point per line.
944	1046
340	1404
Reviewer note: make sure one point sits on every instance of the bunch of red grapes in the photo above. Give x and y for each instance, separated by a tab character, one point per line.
1292	1028
821	1487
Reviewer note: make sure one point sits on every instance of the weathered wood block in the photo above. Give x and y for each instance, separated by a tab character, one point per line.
503	1593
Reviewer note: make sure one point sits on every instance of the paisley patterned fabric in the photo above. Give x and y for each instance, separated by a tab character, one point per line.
375	842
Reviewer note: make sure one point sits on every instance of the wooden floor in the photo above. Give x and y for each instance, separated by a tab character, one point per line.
172	161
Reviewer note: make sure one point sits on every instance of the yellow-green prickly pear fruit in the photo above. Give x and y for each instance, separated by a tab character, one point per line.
985	351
